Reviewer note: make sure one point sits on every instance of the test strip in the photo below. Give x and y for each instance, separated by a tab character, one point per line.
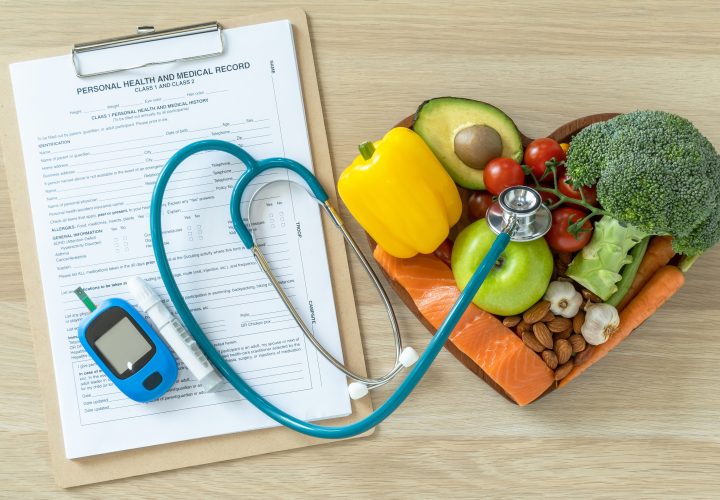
85	299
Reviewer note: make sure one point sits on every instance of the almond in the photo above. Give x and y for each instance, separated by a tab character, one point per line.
577	322
559	324
581	357
532	342
511	321
563	370
536	312
587	294
550	359
563	335
563	349
543	334
577	342
523	327
548	317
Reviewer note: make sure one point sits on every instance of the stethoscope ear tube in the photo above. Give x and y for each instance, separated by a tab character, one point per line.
402	355
407	385
369	383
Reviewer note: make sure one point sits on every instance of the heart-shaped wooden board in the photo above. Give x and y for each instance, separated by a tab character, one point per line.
561	134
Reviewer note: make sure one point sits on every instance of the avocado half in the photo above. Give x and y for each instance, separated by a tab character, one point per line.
465	134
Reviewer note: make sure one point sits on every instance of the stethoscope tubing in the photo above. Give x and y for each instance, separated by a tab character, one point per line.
340	432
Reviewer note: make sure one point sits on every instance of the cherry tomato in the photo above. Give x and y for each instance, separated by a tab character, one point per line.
444	251
540	151
568	190
478	203
559	238
502	173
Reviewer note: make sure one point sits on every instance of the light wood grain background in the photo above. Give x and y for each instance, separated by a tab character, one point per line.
641	423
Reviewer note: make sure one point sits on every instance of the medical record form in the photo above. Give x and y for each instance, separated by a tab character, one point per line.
93	148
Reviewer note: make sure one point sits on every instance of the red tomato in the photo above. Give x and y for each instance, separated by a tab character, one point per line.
568	190
502	173
478	203
540	151
559	238
444	251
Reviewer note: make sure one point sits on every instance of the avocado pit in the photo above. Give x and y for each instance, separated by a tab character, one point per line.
476	145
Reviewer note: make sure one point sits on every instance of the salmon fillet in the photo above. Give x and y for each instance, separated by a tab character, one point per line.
481	336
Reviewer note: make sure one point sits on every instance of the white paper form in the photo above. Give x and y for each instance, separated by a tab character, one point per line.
93	148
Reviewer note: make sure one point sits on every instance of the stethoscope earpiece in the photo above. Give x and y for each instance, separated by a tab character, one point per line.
357	390
407	358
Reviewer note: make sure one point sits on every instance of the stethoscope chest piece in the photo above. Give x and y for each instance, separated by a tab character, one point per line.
521	207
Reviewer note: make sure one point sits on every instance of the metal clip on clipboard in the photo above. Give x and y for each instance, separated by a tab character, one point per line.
147	34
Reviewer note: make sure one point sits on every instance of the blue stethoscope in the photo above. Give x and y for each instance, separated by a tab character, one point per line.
519	215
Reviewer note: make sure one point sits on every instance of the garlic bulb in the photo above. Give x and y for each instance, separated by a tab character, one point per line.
564	299
601	321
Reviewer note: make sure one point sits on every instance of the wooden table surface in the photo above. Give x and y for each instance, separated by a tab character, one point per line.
641	423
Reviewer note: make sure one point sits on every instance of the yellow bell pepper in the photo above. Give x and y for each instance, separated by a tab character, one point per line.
400	194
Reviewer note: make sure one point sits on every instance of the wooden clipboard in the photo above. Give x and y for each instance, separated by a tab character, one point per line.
199	451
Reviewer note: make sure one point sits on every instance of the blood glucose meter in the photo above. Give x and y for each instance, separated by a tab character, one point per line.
125	346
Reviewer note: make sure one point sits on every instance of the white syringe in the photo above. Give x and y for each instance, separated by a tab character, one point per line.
175	334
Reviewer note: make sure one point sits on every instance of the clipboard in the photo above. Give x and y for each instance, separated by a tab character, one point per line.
118	465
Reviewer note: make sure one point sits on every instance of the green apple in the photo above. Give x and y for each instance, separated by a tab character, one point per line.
519	279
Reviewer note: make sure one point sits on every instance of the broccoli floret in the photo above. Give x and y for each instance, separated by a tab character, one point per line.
655	171
587	154
656	174
652	193
703	236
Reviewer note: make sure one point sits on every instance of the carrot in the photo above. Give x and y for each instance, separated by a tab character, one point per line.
657	255
663	285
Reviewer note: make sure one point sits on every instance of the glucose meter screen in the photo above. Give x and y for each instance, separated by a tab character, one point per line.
122	345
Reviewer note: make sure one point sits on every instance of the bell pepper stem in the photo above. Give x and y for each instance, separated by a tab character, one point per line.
366	150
